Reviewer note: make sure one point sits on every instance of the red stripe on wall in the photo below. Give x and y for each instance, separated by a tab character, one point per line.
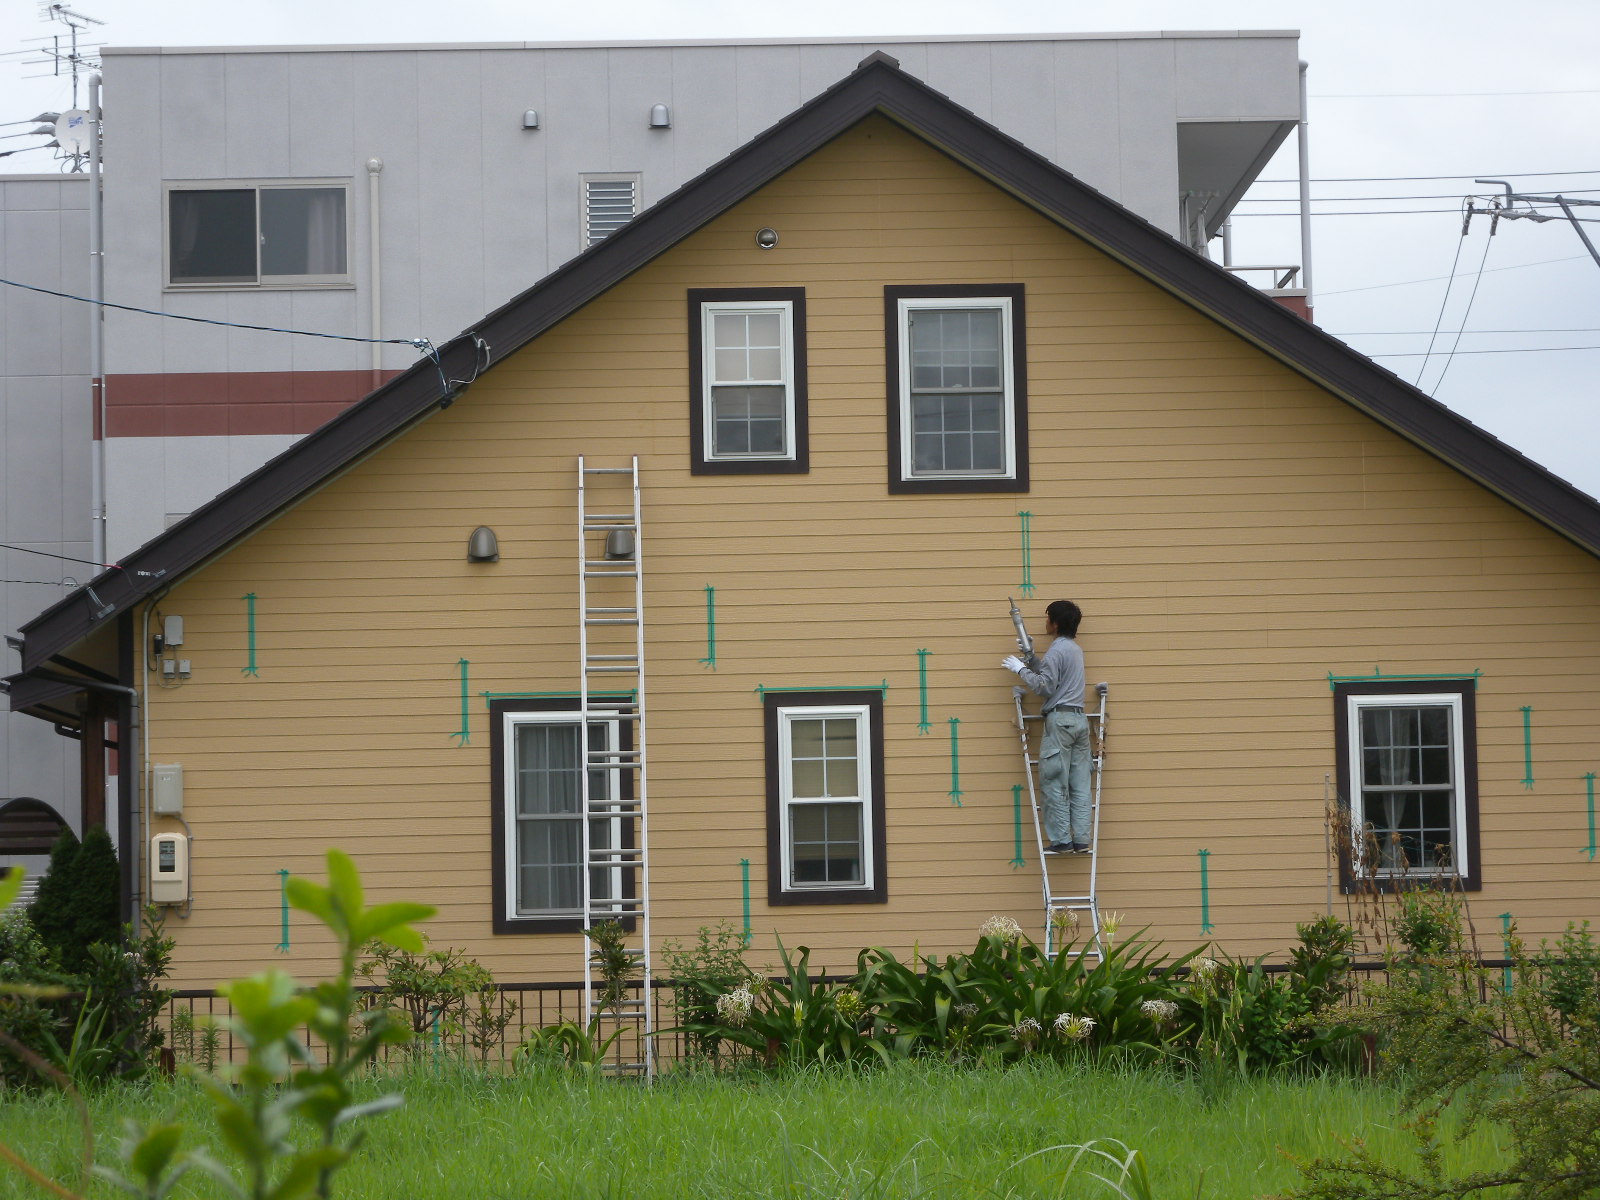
232	403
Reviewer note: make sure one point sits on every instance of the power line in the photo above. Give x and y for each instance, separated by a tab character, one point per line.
1517	350
416	343
1372	287
1349	199
88	562
1423	332
1465	316
1443	304
44	582
1469	176
1444	95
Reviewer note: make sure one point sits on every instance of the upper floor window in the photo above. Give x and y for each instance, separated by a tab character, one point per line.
747	371
1408	771
610	201
290	234
957	396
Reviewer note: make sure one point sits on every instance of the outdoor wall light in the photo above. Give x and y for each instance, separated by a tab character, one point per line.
483	546
660	117
619	545
767	238
530	119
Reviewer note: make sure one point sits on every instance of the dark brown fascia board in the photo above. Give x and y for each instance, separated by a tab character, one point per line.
28	693
877	86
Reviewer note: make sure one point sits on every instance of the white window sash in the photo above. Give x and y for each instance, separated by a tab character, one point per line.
1459	850
709	382
787	802
512	868
907	307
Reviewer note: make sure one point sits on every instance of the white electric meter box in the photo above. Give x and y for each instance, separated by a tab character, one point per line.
166	790
169	868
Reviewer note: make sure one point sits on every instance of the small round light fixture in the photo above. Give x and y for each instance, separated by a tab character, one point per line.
483	546
767	237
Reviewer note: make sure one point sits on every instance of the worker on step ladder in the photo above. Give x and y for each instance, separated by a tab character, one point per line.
1065	754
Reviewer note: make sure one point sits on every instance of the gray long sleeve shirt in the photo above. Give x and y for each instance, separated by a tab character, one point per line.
1059	678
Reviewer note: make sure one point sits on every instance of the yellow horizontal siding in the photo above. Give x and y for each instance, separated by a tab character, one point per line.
1234	534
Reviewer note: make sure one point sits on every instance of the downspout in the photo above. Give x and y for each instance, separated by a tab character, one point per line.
375	267
97	379
1305	194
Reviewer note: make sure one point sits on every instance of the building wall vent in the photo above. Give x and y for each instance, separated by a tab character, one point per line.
609	203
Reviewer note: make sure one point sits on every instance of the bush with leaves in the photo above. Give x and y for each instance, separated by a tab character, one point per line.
26	965
711	966
431	989
1520	1052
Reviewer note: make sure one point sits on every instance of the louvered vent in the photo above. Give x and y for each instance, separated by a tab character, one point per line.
608	205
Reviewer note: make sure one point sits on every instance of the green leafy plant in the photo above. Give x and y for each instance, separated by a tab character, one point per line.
568	1044
282	1086
432	989
616	963
711	966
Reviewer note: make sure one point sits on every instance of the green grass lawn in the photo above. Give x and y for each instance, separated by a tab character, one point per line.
913	1130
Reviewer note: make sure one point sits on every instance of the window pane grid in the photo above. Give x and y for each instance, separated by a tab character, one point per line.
1408	787
956	391
748	390
260	234
547	819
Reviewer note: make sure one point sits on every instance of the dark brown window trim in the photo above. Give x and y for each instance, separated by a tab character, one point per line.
899	483
878	893
498	805
699	464
1472	879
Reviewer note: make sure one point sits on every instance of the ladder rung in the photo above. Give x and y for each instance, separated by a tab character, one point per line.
608	516
617	908
612	670
611	620
615	858
614	808
594	658
611	574
608	470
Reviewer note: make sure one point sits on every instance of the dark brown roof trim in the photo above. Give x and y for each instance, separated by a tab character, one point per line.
876	86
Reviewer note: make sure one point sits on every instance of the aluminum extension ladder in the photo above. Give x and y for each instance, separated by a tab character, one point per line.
611	699
1065	909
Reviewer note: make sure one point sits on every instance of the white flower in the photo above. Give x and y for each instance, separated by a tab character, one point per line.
1159	1011
733	1008
1073	1028
1026	1032
1003	928
1207	966
966	1011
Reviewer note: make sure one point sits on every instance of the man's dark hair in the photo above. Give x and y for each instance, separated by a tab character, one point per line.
1066	615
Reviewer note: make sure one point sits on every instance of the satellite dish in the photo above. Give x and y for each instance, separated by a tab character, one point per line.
72	131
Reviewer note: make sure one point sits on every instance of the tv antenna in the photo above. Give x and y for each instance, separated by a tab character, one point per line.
65	53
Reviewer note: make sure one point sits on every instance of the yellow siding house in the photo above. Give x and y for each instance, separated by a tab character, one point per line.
879	370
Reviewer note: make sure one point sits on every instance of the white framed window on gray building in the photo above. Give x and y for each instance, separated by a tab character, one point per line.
747	380
957	371
610	201
1408	778
261	233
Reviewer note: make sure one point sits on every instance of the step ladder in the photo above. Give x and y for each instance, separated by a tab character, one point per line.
611	699
1066	908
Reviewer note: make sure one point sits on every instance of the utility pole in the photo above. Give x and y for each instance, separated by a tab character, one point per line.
1505	206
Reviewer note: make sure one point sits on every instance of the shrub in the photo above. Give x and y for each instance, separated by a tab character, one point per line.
429	988
711	967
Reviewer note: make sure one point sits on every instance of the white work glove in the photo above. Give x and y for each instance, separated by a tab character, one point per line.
1012	663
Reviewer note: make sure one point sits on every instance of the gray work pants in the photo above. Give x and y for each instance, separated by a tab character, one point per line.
1064	777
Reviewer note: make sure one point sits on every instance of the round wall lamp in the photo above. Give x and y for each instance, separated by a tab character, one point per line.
483	546
767	237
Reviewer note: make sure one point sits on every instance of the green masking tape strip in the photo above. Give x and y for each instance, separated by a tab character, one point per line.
1205	893
762	689
465	733
744	871
1505	939
923	726
1377	673
1027	553
710	659
250	633
955	762
1016	821
283	900
490	697
1527	745
1589	849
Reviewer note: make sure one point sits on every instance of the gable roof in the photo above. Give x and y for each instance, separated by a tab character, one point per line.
876	86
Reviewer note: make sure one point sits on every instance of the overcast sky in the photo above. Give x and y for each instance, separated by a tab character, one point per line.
1399	88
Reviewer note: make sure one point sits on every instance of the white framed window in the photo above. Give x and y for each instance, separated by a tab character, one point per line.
610	200
540	818
957	414
1408	772
747	374
825	786
280	233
